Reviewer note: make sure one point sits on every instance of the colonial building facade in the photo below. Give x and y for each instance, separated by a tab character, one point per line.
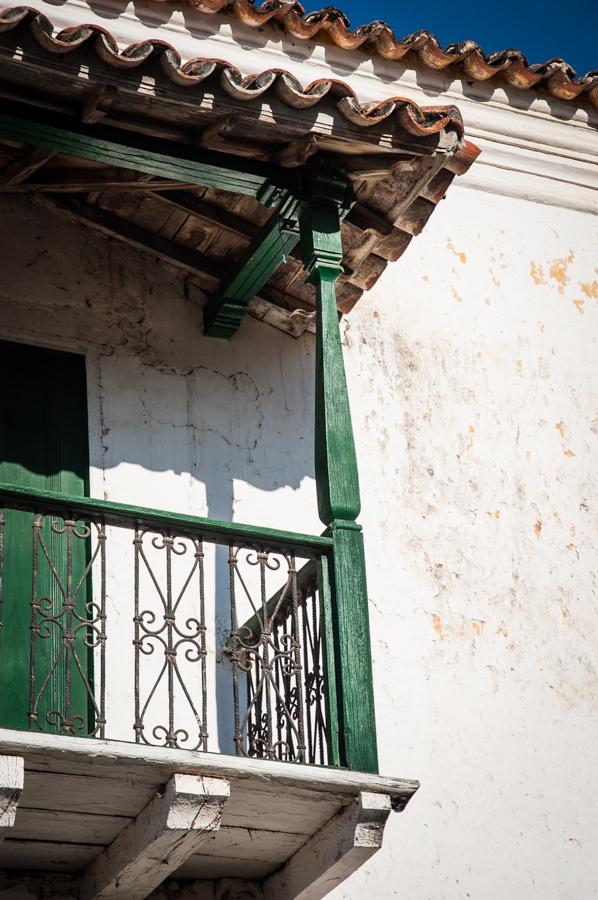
297	431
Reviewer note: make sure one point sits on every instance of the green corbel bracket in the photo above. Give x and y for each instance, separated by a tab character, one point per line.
226	308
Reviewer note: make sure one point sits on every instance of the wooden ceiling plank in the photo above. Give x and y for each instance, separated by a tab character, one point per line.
208	212
139	238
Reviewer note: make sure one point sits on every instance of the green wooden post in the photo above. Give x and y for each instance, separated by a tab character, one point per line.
337	479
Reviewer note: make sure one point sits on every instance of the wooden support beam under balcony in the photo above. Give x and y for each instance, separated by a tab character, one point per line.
165	834
85	815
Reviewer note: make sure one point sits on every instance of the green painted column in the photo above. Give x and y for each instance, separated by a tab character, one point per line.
338	482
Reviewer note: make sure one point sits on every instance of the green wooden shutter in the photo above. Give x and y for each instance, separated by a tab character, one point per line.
43	444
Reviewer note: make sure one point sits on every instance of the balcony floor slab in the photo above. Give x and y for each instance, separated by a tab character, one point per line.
80	793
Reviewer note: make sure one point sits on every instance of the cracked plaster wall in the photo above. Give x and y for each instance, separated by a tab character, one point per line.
472	368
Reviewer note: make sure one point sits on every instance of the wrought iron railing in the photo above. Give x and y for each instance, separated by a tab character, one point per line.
280	652
112	624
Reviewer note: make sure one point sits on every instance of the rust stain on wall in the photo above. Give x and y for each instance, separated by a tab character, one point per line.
456	295
538	528
580	306
461	256
558	271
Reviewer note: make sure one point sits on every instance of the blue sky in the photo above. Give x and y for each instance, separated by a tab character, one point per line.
565	28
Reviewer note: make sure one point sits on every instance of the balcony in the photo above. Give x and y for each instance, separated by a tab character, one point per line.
126	706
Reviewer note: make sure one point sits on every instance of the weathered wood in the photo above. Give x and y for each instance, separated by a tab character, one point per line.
113	226
214	135
12	769
18	171
92	793
208	212
104	758
46	856
97	103
334	853
69	827
297	152
73	182
164	835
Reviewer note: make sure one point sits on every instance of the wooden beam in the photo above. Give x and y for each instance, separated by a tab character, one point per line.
156	157
97	103
214	136
297	152
164	835
113	226
333	853
12	770
83	182
19	170
270	247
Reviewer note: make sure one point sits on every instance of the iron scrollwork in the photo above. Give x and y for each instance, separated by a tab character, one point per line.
176	637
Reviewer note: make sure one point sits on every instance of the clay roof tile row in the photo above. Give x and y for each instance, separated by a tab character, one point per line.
378	39
414	119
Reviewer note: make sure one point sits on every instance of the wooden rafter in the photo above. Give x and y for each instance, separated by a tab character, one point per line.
73	181
18	171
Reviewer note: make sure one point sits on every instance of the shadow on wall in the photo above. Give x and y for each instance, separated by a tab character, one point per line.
177	421
230	438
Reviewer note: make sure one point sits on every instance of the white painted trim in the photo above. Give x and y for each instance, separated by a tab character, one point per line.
316	778
164	835
333	853
12	770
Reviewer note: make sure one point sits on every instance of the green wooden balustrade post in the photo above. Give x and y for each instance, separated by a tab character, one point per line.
337	480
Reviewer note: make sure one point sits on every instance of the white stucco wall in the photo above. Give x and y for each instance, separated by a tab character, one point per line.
473	371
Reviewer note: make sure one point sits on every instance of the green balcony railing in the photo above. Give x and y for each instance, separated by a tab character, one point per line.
117	619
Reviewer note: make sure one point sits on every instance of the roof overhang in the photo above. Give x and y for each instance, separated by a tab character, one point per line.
182	78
